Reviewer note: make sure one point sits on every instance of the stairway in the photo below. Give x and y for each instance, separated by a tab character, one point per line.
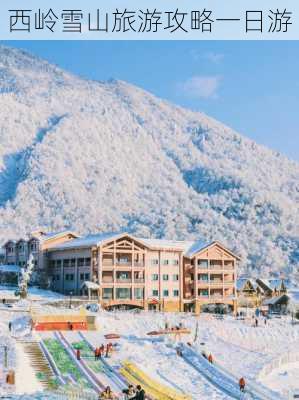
38	361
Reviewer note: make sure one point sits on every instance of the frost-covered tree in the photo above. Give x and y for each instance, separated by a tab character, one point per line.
25	277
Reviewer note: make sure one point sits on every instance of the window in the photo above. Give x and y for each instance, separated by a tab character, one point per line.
21	248
73	262
165	293
203	292
87	276
154	261
155	292
165	262
10	249
69	277
155	277
123	293
33	246
107	293
81	277
52	263
58	263
165	277
138	293
123	276
175	277
175	262
66	262
87	262
203	263
202	277
175	293
57	277
81	262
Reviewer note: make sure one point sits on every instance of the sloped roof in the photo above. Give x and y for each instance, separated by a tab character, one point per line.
242	281
273	284
90	285
167	244
87	241
54	235
189	248
274	300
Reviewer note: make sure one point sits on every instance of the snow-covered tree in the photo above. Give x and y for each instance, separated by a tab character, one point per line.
25	277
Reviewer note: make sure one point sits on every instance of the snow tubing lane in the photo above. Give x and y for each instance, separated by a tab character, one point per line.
217	377
51	362
82	366
118	380
157	390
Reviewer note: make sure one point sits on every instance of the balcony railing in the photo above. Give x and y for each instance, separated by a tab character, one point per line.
119	280
119	263
139	280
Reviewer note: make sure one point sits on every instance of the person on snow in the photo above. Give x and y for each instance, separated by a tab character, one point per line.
78	353
242	384
210	358
107	394
107	350
256	322
140	393
129	394
96	353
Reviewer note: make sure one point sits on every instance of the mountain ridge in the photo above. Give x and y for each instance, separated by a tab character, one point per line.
120	158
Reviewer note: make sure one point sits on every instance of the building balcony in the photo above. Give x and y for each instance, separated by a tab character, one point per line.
122	265
139	280
124	280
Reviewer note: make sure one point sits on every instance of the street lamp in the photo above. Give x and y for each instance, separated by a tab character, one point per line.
70	305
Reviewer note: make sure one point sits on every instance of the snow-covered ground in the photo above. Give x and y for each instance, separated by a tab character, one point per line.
236	345
8	292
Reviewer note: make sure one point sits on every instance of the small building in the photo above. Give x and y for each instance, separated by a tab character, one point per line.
17	252
277	304
272	287
249	292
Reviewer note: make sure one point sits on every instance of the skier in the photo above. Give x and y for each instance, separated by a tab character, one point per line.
96	354
107	351
242	384
256	322
78	355
210	358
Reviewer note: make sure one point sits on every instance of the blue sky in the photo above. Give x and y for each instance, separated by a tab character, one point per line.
251	86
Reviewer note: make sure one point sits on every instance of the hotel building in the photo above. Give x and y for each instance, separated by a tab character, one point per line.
126	270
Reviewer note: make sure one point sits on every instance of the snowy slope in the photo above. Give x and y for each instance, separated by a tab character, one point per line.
107	156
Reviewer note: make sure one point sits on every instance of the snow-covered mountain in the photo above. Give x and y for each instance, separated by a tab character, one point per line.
98	156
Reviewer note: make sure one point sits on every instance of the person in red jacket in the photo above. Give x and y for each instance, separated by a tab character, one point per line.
242	384
210	358
78	354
